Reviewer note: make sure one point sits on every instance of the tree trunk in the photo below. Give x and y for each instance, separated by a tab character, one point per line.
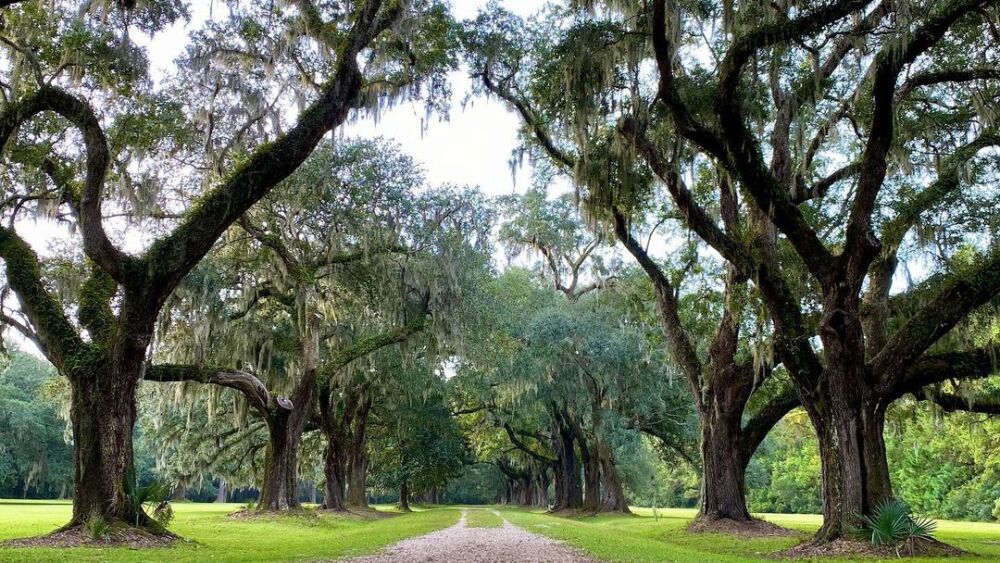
591	475
220	495
279	489
333	471
569	494
855	469
849	418
404	496
542	489
357	489
180	490
613	496
723	486
103	412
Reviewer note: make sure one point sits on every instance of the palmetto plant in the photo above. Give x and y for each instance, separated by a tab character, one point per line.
891	524
154	494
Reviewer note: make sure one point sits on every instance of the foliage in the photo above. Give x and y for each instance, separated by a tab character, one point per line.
35	458
97	528
892	524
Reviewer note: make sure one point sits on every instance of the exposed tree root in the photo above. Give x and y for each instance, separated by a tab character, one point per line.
256	514
745	528
845	547
117	535
358	513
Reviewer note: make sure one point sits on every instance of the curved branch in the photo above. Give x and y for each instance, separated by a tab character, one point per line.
49	98
682	347
957	298
757	427
366	346
248	385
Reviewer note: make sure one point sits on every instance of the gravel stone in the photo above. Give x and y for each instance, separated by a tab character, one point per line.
459	543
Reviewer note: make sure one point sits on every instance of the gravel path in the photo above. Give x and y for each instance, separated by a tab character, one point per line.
459	543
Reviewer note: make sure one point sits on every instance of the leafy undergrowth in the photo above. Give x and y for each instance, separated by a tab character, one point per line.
208	533
482	518
665	537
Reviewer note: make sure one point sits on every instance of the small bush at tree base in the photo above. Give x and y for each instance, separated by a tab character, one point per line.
97	528
891	524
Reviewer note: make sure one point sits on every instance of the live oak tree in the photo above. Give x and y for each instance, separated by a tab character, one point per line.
846	126
569	96
571	255
324	249
416	443
449	238
76	102
561	380
576	260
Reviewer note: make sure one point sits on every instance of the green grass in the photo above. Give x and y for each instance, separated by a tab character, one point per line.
211	536
663	538
483	518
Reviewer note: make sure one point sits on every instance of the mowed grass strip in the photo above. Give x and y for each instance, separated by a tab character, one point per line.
663	537
482	518
210	535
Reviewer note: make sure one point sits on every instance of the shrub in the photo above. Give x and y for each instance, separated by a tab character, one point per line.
154	494
996	509
891	524
97	528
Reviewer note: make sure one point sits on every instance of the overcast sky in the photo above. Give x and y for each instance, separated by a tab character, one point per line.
472	148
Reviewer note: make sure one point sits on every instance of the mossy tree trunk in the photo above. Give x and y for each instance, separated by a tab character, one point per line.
103	417
279	488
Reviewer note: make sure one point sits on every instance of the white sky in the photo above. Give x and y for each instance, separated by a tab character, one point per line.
472	148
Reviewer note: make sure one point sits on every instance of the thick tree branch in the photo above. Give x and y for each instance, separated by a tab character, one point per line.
930	369
170	258
524	447
958	296
249	386
367	345
59	339
950	402
49	98
756	428
682	347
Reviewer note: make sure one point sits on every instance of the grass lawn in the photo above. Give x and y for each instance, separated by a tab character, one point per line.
663	538
212	536
478	517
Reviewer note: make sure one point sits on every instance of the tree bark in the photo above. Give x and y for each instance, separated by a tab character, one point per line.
357	488
723	487
849	417
279	488
613	495
591	474
220	495
569	494
404	496
103	412
335	484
